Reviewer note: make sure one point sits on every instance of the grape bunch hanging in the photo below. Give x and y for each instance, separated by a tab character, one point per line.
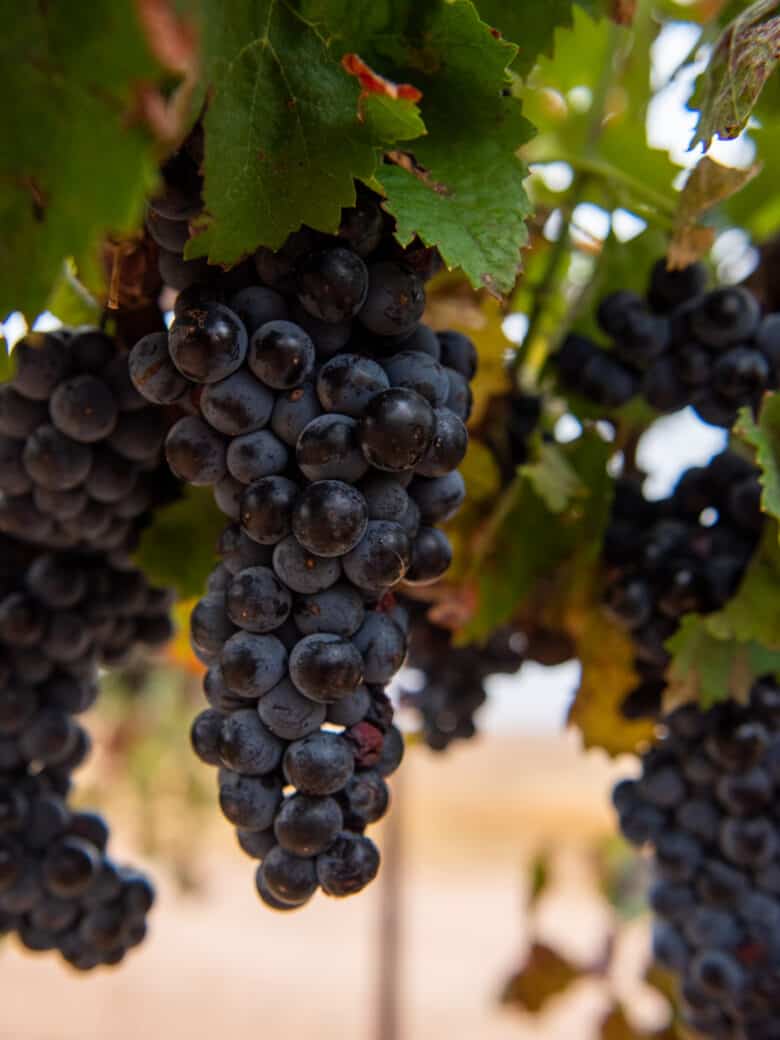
678	346
706	804
330	423
80	471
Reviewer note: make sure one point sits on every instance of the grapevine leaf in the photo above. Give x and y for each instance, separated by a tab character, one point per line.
764	436
70	301
502	568
544	975
286	130
77	163
443	194
708	669
440	191
553	478
178	547
531	26
740	64
751	614
606	655
708	184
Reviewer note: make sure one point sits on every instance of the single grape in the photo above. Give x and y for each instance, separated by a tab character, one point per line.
246	746
195	452
54	461
249	802
348	865
397	429
208	343
380	559
347	383
238	404
329	518
332	284
288	714
41	362
252	664
329	449
253	456
382	646
448	447
458	352
20	416
281	354
326	667
307	825
293	411
267	509
302	571
416	371
395	299
289	878
256	305
257	601
438	498
338	610
14	478
724	317
319	764
431	557
153	373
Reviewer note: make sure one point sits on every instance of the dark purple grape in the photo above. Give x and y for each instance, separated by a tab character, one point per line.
332	284
281	354
208	343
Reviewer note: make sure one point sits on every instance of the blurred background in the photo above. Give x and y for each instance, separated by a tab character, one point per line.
506	909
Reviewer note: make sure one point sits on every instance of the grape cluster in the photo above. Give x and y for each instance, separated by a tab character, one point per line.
80	455
678	346
453	678
62	615
685	553
79	447
330	423
707	805
59	890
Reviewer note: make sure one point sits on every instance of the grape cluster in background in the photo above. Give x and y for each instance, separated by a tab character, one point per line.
683	554
678	346
706	804
80	474
330	423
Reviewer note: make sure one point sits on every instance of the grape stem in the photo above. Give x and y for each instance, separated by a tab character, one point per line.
605	170
530	356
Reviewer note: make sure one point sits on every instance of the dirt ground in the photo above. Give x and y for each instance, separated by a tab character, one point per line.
220	965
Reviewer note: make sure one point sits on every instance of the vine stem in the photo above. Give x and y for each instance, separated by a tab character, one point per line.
607	171
389	930
535	348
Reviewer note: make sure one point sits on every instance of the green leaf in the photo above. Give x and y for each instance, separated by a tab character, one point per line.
708	669
76	164
286	132
524	540
764	436
465	190
70	301
742	61
178	548
553	478
531	26
751	615
6	363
